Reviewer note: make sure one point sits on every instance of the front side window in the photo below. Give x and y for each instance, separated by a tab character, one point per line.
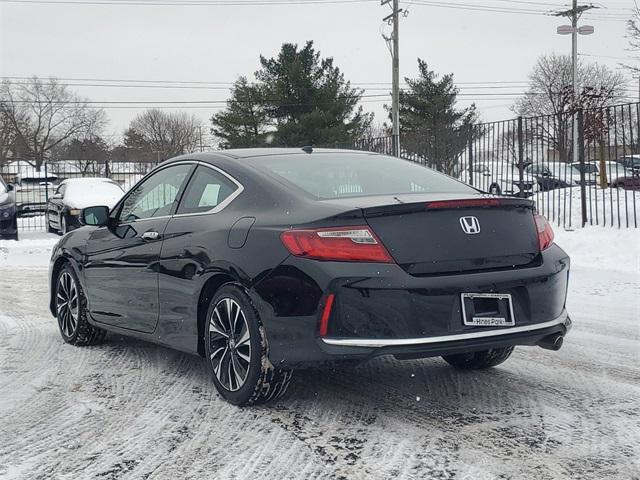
156	196
207	189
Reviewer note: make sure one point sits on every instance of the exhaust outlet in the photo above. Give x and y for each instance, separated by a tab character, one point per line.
552	342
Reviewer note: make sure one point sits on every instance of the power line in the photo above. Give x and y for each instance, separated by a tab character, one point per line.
192	82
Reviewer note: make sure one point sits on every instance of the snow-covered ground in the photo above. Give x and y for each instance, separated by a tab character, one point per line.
131	410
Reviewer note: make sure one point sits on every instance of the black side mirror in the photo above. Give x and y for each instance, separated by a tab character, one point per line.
96	216
9	187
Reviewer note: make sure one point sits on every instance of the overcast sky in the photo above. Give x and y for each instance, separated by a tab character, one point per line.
217	43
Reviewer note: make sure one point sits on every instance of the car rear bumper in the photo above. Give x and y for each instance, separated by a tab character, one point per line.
379	309
450	344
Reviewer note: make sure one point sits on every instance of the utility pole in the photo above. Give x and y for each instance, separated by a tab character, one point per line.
574	14
393	43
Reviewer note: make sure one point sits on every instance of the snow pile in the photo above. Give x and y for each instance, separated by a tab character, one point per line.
608	207
89	192
33	250
602	248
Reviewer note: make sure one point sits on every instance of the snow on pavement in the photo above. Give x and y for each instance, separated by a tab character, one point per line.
131	410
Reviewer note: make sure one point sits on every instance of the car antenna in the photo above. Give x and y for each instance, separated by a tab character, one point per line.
307	149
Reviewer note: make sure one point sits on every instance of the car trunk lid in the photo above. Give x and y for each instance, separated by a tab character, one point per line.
431	234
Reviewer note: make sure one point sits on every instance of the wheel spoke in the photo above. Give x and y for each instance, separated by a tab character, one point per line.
244	336
234	328
243	356
217	327
229	306
239	378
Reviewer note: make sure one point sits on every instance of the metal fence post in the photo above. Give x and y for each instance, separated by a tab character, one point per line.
471	155
46	184
520	158
583	186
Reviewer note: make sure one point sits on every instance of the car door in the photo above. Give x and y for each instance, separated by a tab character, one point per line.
122	259
196	240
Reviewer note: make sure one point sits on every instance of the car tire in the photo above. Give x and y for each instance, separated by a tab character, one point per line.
237	351
479	360
71	311
494	189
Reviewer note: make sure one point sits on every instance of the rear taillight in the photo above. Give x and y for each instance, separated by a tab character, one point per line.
545	232
343	244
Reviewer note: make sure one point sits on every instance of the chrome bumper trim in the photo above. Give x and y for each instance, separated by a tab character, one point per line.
381	342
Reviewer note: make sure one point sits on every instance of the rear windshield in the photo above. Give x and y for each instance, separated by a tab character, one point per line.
338	175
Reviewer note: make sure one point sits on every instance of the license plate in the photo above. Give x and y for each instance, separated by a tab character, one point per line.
487	310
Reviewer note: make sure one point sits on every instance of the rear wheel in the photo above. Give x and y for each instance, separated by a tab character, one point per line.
236	349
71	311
479	360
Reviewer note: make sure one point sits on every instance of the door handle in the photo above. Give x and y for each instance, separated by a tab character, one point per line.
150	235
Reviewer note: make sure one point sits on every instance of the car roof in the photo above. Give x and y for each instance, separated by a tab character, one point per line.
87	180
241	153
263	152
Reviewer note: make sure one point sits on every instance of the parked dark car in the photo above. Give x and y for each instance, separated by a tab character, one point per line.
267	260
628	182
8	213
631	162
552	175
65	205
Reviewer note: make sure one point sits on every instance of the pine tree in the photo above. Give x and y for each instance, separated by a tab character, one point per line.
299	99
431	126
245	122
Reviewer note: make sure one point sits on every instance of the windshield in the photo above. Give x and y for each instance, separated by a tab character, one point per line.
3	186
338	175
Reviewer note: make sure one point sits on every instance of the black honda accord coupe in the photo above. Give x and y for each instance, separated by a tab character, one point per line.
267	260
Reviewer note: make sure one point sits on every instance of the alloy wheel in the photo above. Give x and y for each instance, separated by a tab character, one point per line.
230	344
68	304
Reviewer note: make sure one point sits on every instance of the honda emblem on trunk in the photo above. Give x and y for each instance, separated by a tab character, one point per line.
470	225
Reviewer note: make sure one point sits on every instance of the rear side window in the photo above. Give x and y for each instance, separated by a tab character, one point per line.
207	189
337	175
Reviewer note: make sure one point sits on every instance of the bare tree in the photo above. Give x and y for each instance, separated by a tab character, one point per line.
44	113
550	93
164	133
633	34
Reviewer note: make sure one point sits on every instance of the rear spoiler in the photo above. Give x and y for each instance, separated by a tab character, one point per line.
404	208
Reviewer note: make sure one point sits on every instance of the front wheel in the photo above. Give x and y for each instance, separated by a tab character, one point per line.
236	350
479	360
71	311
